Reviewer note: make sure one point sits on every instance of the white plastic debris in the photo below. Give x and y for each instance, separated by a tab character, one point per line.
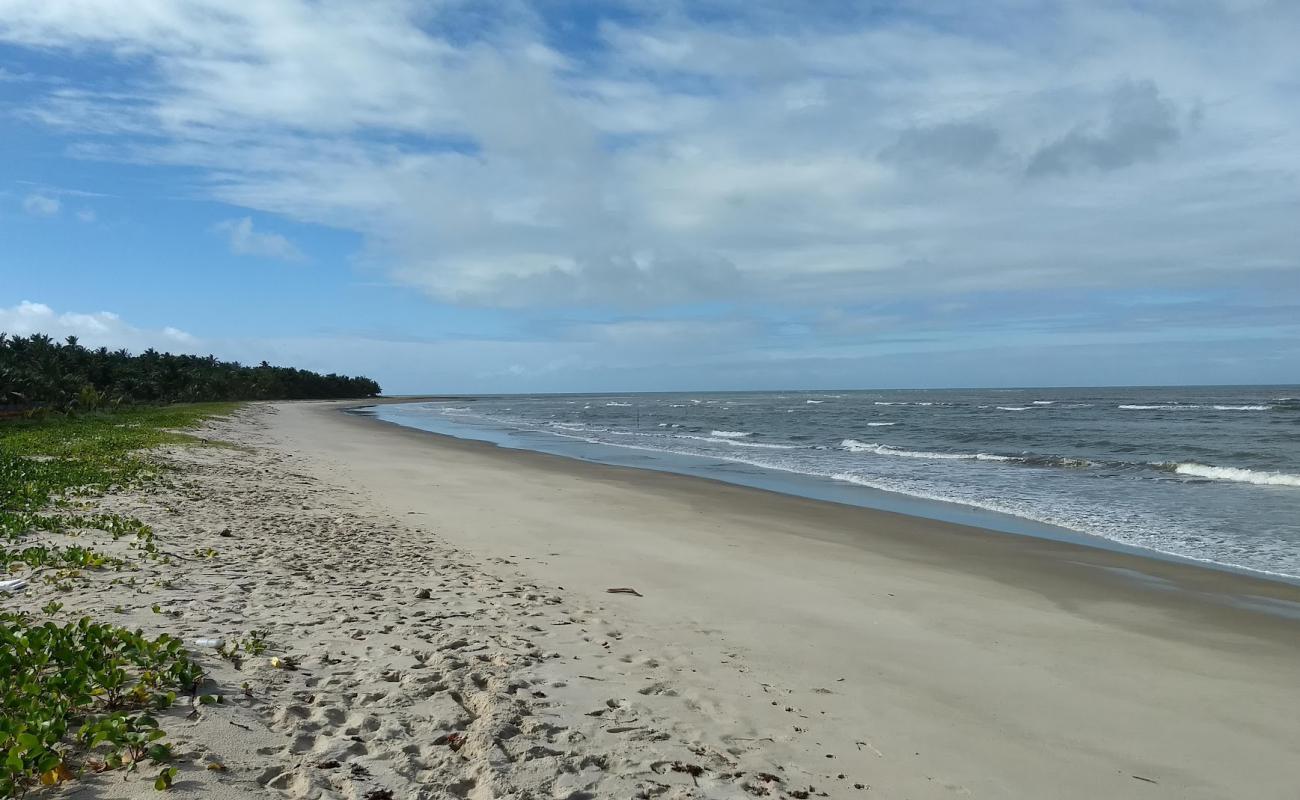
13	586
209	642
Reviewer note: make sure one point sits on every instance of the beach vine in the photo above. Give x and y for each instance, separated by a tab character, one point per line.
79	695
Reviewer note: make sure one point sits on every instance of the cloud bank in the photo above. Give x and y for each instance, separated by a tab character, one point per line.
738	193
643	157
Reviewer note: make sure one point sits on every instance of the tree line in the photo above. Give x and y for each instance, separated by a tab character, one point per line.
37	371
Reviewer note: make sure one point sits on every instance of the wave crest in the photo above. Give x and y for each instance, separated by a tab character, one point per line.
1236	474
738	443
854	446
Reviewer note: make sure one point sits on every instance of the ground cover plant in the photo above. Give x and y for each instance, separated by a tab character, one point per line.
84	690
77	694
47	463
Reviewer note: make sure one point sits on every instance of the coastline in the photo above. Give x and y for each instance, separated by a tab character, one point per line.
1147	571
947	631
445	607
968	498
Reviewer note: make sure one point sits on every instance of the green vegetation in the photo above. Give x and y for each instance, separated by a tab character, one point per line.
100	678
45	464
36	371
255	644
77	695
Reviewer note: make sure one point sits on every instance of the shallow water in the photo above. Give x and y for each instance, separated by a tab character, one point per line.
1204	473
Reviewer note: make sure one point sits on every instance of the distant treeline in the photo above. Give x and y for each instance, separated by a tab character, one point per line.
38	372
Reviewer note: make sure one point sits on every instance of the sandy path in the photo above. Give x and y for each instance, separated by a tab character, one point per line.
781	647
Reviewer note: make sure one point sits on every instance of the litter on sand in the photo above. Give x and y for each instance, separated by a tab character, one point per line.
13	586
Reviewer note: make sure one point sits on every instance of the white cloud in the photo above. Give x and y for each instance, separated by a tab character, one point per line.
41	205
765	155
245	241
86	215
95	329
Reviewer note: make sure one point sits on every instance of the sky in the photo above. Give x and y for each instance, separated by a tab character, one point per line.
549	196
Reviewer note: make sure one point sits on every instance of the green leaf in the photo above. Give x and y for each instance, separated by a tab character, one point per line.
165	778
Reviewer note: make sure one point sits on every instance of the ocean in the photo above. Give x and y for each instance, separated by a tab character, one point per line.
1210	474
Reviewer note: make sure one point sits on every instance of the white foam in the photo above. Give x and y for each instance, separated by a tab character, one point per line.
736	443
1242	408
732	434
880	424
1238	475
886	403
854	446
1013	408
1044	402
1159	407
814	402
1133	537
619	404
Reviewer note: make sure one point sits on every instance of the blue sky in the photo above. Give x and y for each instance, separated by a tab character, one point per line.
464	197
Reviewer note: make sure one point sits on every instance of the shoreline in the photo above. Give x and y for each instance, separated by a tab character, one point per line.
921	658
421	616
819	486
1148	571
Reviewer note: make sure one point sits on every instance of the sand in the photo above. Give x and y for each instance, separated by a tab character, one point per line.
447	603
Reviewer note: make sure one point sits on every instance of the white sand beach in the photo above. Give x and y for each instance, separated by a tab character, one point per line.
447	606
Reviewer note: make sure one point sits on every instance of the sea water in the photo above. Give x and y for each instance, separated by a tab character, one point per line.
1210	474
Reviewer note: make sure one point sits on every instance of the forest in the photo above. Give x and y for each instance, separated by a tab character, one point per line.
39	372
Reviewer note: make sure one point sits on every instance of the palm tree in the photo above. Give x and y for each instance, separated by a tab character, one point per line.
37	371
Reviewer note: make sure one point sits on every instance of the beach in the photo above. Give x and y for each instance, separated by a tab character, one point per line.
444	609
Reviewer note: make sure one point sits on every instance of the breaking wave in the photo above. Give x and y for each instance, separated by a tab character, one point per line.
1160	407
738	443
1237	475
854	446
